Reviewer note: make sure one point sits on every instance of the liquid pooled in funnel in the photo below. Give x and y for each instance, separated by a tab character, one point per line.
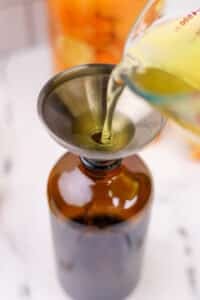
87	133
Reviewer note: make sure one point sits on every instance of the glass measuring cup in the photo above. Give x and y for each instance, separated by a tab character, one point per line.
171	45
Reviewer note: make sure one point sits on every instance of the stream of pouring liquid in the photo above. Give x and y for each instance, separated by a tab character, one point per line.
163	66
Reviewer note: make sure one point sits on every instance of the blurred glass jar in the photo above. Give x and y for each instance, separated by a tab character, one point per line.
89	31
6	134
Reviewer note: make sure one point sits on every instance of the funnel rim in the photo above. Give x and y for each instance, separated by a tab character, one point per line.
78	72
61	77
55	81
69	74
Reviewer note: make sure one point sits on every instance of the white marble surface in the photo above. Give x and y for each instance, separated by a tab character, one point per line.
172	261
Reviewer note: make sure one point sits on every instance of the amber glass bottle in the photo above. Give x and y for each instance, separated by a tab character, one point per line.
99	216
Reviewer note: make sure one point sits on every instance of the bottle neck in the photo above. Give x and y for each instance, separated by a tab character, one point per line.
96	165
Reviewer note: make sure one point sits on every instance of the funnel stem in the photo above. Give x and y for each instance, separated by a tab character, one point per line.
100	165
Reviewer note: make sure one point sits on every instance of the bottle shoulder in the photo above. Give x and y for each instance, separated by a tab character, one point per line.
74	192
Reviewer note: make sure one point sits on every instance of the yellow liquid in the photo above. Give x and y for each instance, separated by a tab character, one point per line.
162	83
164	66
86	133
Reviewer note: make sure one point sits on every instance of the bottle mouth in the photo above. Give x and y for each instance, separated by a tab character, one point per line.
106	165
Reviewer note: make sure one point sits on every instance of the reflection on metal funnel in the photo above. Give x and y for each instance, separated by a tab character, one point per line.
72	106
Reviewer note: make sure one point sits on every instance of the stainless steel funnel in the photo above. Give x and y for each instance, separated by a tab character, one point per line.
80	93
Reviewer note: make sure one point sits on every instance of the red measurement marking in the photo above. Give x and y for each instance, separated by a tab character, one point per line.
189	17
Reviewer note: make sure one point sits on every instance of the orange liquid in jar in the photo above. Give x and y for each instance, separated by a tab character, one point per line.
92	30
